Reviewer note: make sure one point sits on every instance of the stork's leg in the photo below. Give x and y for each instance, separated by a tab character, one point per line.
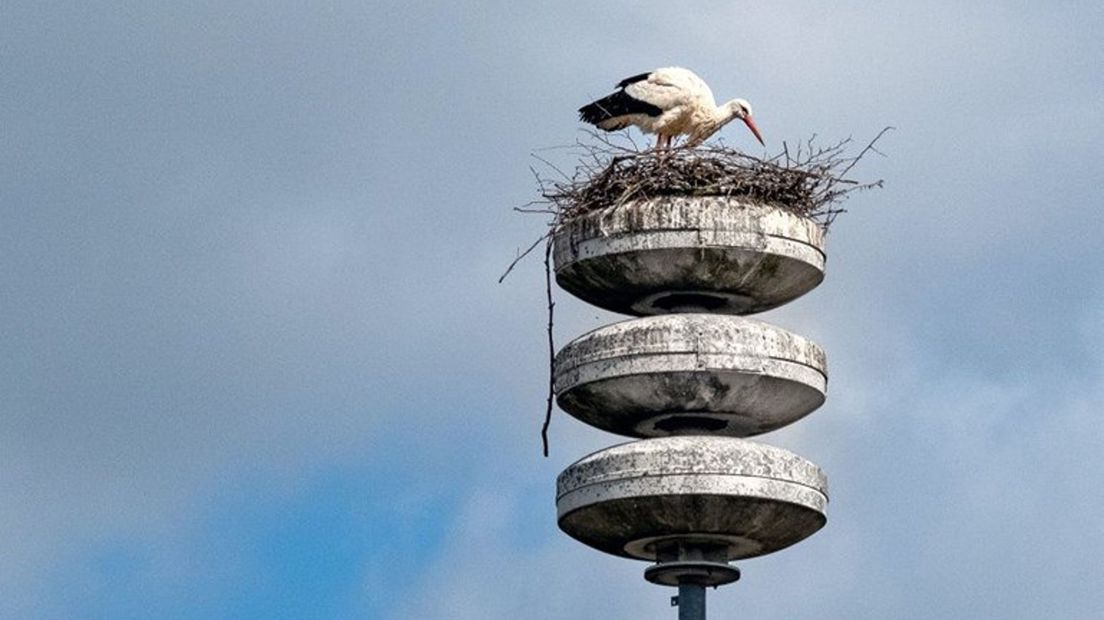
662	147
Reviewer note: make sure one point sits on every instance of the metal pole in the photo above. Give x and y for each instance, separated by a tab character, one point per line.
691	601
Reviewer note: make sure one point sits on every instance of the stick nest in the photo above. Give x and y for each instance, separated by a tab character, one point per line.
808	180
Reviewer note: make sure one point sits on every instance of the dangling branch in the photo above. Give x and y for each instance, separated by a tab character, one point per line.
551	344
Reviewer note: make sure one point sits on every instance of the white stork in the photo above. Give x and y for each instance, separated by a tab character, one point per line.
668	102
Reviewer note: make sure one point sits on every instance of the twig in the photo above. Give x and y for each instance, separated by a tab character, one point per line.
551	344
550	165
546	235
864	151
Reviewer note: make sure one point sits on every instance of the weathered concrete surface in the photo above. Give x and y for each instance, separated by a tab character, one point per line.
707	253
742	498
690	373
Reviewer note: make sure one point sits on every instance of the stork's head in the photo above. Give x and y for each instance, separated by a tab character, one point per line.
741	109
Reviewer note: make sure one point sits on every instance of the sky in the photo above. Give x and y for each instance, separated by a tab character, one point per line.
255	361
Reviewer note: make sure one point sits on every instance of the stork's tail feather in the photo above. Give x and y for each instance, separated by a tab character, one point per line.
613	106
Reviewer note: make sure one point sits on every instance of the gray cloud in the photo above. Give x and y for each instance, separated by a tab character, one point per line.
262	238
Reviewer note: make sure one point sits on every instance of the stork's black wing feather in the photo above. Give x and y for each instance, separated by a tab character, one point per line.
617	104
633	80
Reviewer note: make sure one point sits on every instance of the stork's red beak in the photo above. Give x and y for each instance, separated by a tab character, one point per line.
755	130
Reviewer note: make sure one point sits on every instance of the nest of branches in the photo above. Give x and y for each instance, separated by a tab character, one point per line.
807	180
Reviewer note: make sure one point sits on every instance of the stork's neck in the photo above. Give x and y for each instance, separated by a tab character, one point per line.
726	113
715	118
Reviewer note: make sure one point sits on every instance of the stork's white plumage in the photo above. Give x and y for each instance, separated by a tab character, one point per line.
668	102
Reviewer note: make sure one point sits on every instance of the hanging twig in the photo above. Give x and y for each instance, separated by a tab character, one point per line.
551	344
